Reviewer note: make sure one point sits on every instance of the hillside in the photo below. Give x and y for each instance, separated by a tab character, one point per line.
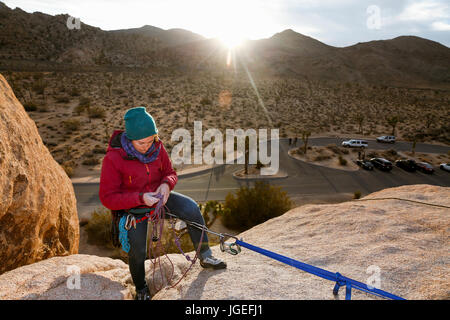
40	41
407	242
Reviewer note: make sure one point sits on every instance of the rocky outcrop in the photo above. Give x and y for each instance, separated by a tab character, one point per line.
75	277
38	214
85	277
402	244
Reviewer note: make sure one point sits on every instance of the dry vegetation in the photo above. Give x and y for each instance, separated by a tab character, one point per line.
77	112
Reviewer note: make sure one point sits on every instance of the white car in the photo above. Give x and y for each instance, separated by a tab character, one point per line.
445	166
387	139
355	143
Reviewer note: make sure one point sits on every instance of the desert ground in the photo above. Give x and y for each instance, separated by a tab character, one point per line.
76	112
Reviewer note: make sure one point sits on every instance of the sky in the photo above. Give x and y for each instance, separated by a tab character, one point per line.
338	23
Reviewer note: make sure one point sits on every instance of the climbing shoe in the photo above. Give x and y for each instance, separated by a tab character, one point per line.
143	294
214	263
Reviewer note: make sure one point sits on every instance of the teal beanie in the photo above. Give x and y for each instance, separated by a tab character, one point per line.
139	124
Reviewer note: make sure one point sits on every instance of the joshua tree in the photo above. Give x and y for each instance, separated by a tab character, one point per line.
393	121
305	137
109	85
360	119
429	119
247	143
187	108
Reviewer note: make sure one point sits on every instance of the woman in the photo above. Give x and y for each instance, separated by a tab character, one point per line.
135	168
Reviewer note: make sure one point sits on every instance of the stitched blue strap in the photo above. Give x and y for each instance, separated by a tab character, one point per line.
335	277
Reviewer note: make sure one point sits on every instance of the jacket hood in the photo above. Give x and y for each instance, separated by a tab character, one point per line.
114	140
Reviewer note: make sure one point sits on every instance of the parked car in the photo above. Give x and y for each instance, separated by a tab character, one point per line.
365	164
425	167
445	166
408	165
386	139
355	143
382	164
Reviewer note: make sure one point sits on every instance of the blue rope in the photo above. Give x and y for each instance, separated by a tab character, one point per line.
123	234
325	274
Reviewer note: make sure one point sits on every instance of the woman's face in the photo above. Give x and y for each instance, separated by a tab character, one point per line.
143	144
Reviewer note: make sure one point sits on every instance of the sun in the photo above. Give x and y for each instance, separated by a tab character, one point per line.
231	40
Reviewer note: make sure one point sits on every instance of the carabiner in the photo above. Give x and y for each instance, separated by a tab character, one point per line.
230	247
130	222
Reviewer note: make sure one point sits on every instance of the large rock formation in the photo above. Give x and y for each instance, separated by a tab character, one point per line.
74	277
404	244
38	214
84	277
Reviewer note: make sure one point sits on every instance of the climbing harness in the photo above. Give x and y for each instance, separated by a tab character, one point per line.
158	216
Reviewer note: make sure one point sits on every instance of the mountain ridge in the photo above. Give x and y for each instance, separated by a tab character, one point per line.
28	39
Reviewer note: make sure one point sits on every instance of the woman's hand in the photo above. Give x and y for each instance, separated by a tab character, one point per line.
164	190
149	198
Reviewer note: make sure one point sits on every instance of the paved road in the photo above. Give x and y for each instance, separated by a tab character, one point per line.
304	180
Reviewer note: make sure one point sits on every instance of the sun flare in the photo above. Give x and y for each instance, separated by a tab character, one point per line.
231	40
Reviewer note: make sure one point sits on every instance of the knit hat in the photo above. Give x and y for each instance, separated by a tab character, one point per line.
139	124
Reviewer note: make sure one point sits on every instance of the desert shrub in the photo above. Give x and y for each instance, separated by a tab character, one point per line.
75	92
252	206
322	157
96	112
68	169
390	152
91	161
342	161
152	95
62	99
372	154
43	108
259	164
39	87
30	106
211	208
37	76
205	101
84	102
98	228
79	109
357	195
71	125
99	149
334	148
118	91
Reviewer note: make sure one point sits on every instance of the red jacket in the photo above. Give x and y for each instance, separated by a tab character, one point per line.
123	181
